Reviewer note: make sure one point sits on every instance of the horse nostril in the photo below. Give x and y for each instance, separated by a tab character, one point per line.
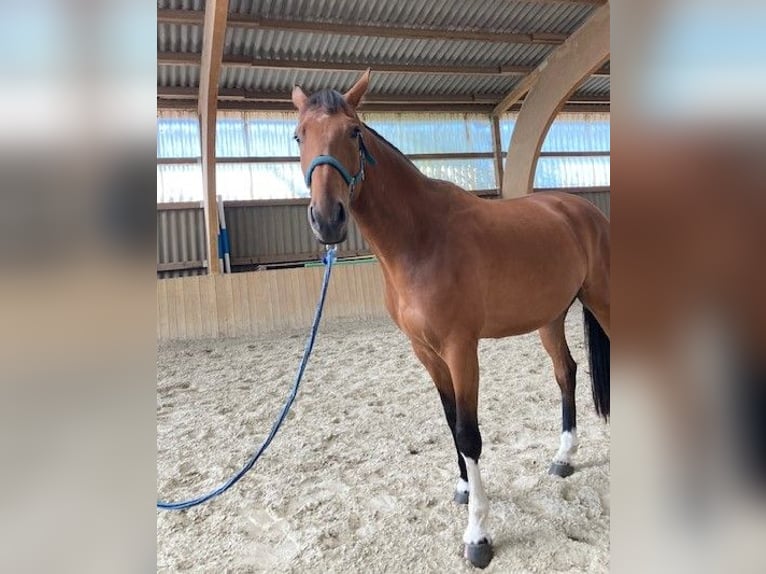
341	215
312	216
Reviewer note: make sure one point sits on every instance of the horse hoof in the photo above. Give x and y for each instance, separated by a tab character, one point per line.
461	497
562	469
479	555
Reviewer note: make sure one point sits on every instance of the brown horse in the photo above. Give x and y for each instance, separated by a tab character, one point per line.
459	268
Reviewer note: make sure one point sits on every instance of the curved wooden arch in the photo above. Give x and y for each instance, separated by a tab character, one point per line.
549	87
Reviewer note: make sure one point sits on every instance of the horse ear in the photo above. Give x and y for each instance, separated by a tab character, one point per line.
299	97
357	91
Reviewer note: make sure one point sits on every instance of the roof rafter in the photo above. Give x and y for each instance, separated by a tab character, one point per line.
483	108
238	94
236	61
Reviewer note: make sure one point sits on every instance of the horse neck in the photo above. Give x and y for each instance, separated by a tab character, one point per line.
395	208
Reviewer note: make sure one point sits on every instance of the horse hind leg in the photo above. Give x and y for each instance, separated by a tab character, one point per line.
565	371
442	379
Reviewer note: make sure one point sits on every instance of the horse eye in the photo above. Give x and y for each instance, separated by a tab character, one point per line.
297	139
355	132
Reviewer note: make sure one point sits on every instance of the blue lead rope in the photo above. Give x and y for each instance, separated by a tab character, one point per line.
328	260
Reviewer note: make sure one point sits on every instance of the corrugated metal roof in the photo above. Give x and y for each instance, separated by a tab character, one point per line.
594	86
181	4
179	38
563	17
186	76
277	44
274	80
363	51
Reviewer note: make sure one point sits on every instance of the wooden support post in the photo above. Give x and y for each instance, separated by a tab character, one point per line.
210	68
497	144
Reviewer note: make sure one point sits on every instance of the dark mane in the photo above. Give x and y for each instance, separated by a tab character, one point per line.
330	101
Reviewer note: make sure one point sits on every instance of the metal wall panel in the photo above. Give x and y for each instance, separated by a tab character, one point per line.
275	233
600	199
181	273
181	239
263	234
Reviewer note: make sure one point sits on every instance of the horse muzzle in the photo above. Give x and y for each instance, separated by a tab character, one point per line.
330	225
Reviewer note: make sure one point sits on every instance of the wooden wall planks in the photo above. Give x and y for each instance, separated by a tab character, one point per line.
256	303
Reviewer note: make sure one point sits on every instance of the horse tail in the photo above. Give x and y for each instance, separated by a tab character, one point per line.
597	342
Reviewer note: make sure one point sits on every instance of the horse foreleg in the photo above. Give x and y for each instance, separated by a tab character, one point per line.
462	360
564	369
442	379
461	495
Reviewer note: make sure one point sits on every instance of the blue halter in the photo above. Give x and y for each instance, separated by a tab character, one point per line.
351	180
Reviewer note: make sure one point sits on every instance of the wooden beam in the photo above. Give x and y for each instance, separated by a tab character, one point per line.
185	58
497	146
213	35
404	32
295	158
522	88
526	84
237	94
248	105
237	61
178	204
253	21
178	58
245	105
261	96
437	108
497	153
519	91
180	266
188	17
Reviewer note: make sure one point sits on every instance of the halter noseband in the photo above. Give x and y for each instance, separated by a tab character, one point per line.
351	180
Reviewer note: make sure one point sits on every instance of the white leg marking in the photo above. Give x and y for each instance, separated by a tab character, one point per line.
478	505
462	485
568	447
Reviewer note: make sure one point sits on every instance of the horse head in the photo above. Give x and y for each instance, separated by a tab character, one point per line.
333	155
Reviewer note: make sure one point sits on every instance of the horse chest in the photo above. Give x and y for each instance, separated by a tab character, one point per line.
417	316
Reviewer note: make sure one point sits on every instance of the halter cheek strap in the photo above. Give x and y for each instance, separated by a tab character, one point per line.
351	180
